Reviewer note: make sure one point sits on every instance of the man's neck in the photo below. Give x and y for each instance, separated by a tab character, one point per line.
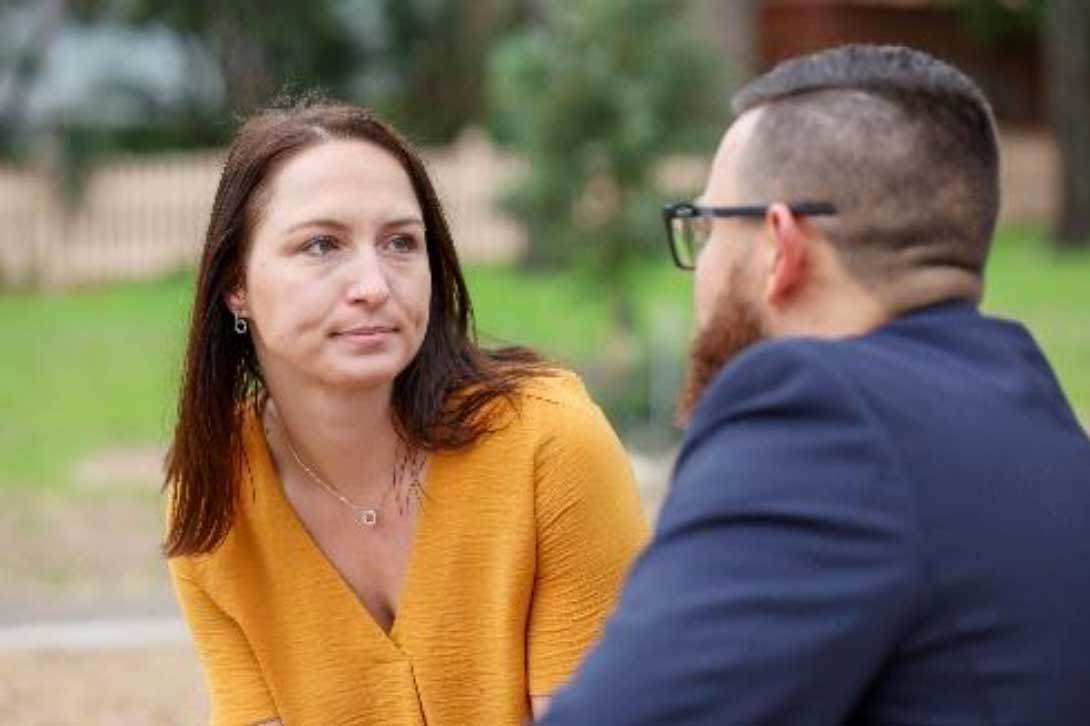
840	312
846	308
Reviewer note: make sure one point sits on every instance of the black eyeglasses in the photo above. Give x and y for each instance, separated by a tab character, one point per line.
688	225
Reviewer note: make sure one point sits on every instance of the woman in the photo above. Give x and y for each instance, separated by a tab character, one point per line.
372	520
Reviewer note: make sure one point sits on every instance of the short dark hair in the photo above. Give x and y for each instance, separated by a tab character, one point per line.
436	399
902	143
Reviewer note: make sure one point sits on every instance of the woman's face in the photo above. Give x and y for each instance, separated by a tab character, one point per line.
337	286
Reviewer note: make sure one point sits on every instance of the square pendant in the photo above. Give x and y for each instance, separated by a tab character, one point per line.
368	518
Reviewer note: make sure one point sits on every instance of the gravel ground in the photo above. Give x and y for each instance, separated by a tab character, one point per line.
82	556
152	687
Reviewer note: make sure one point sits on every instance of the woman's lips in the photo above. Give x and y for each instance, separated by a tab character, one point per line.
367	338
366	331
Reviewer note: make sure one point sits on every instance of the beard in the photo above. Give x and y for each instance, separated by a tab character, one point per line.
735	324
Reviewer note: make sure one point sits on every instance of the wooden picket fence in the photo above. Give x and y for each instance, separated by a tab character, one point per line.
141	217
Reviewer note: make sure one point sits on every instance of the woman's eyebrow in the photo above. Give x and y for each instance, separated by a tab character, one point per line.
333	223
404	222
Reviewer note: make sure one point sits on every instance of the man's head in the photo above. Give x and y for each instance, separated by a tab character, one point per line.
901	144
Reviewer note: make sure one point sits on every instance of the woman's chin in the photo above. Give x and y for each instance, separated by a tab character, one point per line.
357	378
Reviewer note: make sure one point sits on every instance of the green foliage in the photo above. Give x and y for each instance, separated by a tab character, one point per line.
426	61
261	47
419	62
593	99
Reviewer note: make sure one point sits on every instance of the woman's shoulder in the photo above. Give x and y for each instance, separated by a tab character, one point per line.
545	404
557	387
556	409
556	399
579	460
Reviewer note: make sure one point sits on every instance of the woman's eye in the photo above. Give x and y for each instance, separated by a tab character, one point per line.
320	246
402	244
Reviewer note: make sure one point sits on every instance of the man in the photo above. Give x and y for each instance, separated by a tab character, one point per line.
881	511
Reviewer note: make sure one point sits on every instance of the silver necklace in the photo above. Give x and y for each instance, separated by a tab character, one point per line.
361	515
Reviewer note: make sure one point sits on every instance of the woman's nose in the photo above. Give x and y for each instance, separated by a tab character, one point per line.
367	282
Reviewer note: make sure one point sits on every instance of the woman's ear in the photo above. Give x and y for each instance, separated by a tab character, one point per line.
789	256
236	302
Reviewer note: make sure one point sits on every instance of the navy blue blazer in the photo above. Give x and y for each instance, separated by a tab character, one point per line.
891	529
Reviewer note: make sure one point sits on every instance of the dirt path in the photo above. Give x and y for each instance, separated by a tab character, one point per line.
81	555
154	687
68	561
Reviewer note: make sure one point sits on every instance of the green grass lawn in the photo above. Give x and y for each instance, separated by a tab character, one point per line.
86	370
95	369
1051	294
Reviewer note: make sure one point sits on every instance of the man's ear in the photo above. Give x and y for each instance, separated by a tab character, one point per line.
789	254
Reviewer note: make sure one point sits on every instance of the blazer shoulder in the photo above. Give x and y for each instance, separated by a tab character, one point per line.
776	370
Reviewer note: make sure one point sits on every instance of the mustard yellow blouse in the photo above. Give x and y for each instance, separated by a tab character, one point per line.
521	546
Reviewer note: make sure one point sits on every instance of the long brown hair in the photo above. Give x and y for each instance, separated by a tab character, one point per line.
221	376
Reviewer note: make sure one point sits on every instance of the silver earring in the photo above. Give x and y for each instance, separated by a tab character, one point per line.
241	326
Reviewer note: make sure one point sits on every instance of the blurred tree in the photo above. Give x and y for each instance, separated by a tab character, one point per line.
21	61
1067	55
258	46
420	62
426	61
74	86
594	95
1063	27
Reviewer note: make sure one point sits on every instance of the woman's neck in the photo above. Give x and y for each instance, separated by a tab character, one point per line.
347	438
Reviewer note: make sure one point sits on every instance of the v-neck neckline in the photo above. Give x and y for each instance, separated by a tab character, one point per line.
279	498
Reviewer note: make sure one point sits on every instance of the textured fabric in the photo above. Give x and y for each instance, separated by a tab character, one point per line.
886	530
521	546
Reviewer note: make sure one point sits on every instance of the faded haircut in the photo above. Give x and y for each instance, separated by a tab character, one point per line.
902	143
